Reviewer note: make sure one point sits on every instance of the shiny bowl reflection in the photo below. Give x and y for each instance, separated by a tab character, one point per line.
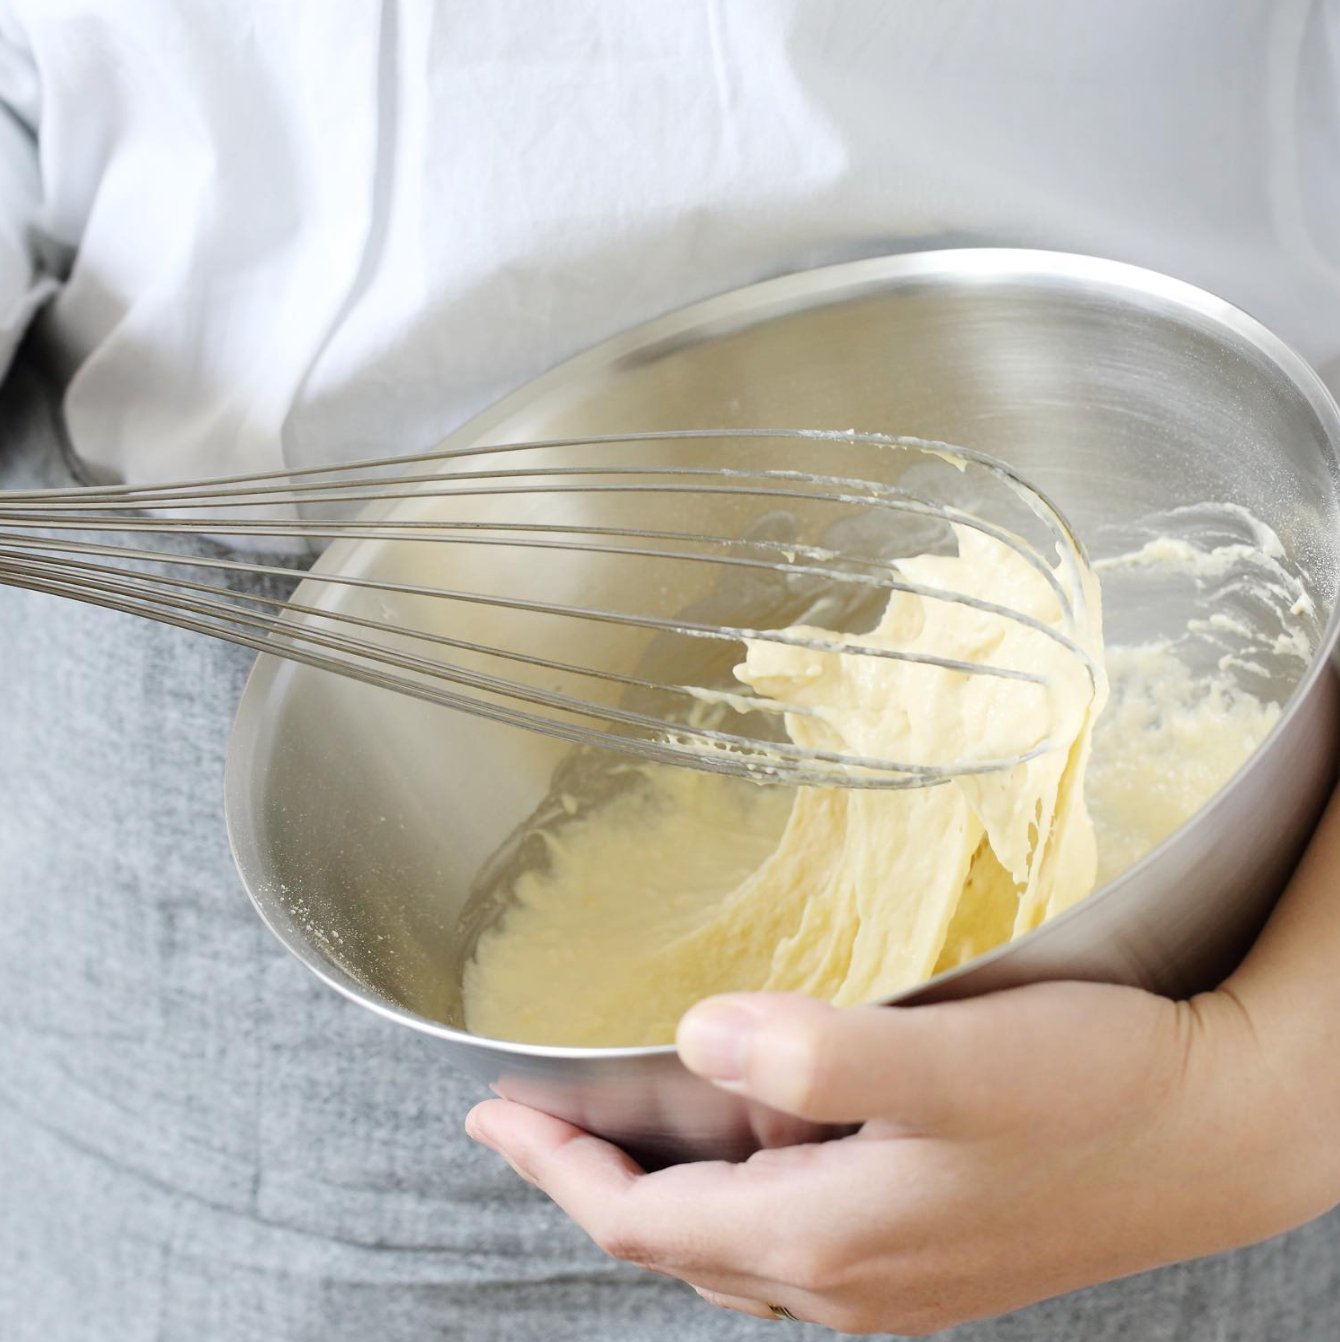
360	820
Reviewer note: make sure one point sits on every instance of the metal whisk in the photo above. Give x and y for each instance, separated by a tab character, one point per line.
597	590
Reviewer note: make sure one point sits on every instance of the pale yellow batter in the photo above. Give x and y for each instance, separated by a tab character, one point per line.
1166	743
688	884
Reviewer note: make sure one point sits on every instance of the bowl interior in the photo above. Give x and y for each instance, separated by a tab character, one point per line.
362	819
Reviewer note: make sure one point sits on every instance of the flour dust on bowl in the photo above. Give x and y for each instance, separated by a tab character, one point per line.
1195	457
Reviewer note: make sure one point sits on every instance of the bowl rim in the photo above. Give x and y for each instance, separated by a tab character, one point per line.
735	310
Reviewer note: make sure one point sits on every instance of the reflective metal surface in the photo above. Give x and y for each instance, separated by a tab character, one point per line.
360	820
636	526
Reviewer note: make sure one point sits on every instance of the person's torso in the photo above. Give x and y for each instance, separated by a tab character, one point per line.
305	232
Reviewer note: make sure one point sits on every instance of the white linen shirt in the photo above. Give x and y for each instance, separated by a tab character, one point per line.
292	231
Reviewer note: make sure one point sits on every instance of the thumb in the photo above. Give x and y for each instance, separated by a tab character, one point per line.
921	1067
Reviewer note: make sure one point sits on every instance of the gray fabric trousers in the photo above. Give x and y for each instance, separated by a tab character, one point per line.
198	1140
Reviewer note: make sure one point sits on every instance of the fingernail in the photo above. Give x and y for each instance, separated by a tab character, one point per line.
714	1041
476	1133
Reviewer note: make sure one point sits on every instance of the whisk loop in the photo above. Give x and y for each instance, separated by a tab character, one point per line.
612	616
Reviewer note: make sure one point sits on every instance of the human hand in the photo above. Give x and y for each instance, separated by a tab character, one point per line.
1013	1147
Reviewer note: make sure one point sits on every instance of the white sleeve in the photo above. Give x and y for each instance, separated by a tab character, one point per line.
23	286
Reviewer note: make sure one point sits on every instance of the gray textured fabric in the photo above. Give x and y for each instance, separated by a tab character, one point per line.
198	1140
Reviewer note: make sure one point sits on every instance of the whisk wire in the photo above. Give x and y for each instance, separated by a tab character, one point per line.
873	494
37	553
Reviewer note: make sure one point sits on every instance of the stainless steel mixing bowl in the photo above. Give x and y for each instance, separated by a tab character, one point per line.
360	819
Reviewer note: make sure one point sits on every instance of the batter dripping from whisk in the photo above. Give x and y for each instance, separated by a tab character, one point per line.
862	892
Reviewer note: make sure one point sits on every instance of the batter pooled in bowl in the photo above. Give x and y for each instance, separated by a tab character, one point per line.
681	884
688	884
